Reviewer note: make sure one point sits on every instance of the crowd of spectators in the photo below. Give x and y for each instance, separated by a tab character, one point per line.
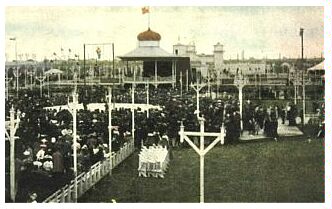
45	144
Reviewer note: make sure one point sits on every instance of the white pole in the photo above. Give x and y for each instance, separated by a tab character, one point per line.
241	102
75	97
303	95
25	77
197	97
17	84
12	155
295	89
133	112
187	80
201	160
147	100
155	73
181	82
48	86
110	126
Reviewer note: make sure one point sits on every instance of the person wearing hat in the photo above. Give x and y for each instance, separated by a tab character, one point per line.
41	153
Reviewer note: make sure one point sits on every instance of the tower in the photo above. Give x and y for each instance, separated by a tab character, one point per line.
218	55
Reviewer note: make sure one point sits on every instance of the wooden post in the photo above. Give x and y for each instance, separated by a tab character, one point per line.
147	100
75	103
201	121
156	73
181	82
110	126
201	151
133	112
11	136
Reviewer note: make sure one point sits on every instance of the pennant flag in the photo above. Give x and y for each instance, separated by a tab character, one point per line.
145	10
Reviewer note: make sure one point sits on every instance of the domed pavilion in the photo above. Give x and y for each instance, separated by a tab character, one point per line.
149	63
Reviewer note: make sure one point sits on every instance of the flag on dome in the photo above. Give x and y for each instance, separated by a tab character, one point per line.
145	10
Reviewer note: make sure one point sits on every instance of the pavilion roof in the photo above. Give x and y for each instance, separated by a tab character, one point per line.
149	52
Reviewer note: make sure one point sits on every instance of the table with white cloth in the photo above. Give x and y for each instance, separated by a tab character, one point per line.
153	161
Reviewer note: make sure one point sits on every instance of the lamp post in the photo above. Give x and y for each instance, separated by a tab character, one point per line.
11	136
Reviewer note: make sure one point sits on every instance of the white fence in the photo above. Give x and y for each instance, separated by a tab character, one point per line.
88	179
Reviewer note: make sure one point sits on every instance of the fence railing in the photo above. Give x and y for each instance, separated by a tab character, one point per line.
88	179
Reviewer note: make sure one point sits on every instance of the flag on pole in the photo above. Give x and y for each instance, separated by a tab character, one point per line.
145	10
301	31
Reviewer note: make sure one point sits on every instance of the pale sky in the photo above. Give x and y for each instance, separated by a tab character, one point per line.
259	31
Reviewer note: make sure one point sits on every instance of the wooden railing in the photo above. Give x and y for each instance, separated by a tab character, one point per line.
88	179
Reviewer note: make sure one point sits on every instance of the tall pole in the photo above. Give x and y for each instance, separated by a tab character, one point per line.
113	59
187	80
181	83
75	103
110	126
17	74
201	121
11	136
303	82
84	65
241	103
201	151
133	112
147	100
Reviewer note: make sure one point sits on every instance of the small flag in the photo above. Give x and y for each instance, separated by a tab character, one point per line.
61	49
145	10
13	39
54	53
69	50
301	31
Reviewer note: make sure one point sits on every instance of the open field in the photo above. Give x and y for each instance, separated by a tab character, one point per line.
290	170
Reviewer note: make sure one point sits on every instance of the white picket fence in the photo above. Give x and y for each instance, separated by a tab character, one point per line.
88	179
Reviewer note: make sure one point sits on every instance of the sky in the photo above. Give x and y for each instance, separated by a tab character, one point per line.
259	31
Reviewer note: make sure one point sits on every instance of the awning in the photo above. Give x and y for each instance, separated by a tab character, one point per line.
320	66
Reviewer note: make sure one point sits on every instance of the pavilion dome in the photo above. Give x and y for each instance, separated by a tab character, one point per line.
149	35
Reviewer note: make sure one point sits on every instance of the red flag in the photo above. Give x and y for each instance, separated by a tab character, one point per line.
145	10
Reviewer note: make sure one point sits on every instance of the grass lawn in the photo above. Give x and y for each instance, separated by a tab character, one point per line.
283	171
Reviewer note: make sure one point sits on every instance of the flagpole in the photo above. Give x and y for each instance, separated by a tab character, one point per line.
149	19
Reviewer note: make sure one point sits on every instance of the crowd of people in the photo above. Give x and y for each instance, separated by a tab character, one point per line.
46	141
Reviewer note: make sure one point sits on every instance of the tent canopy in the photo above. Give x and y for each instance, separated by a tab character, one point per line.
53	71
319	66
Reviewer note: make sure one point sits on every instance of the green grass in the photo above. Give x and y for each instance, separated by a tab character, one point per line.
284	171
